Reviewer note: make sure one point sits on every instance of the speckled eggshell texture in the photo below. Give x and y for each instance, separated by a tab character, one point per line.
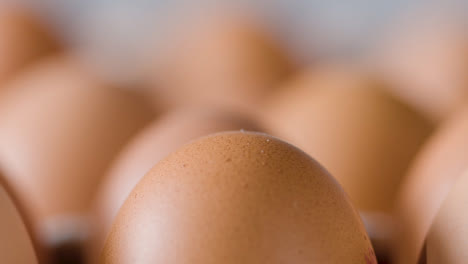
154	143
238	197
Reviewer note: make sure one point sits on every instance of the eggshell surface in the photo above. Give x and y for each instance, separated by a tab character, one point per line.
155	142
238	198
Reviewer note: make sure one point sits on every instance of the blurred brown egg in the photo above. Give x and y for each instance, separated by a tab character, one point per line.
427	61
154	143
447	241
344	119
60	128
436	168
238	197
16	244
23	39
364	136
224	61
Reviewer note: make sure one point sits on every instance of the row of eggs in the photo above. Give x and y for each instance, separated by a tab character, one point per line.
73	148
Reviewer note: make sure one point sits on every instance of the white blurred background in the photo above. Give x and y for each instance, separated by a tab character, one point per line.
117	33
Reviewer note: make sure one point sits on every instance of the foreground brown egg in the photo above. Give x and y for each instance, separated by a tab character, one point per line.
238	197
427	60
436	168
23	39
447	241
16	244
59	130
154	143
362	135
221	61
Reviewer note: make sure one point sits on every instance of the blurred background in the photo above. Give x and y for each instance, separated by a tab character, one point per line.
119	33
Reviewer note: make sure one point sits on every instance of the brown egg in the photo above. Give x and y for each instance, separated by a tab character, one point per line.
151	145
427	60
222	61
447	241
430	178
344	119
238	197
16	244
23	39
59	130
365	137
